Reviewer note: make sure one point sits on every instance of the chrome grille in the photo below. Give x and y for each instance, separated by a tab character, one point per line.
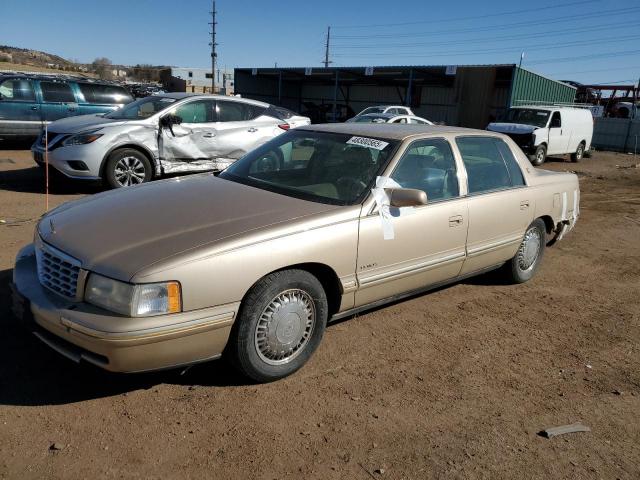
57	271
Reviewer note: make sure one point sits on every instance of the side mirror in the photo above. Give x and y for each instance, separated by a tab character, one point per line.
169	120
406	197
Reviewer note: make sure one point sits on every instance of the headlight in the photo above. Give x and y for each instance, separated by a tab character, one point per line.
142	300
82	139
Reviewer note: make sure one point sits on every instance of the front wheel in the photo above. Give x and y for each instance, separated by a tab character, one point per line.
539	156
280	324
127	167
522	267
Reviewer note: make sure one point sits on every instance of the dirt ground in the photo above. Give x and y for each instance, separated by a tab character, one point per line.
456	383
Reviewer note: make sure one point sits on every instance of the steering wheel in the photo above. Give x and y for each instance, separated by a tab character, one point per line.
349	187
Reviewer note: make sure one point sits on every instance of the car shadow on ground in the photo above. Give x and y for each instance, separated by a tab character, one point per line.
24	144
33	180
32	374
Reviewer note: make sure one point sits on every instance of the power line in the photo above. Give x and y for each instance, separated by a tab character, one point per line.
584	57
596	71
476	17
547	33
528	23
598	41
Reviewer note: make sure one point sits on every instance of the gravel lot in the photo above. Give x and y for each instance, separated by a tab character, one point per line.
453	384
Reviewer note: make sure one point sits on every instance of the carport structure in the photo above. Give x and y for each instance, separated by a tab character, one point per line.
466	95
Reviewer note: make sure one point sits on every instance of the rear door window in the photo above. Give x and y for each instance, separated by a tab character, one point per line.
515	173
17	90
57	92
229	111
109	94
486	166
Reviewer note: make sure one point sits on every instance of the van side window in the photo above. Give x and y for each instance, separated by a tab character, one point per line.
517	179
429	165
486	168
57	92
109	94
17	90
555	120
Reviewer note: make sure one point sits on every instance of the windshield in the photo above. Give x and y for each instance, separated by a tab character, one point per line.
370	119
372	110
322	167
140	109
527	116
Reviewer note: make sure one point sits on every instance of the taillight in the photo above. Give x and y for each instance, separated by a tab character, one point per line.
284	126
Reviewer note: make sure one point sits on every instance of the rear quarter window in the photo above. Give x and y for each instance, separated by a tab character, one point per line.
109	94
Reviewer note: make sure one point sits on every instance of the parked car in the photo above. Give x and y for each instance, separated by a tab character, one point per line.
389	118
323	113
161	134
252	263
391	109
27	102
542	131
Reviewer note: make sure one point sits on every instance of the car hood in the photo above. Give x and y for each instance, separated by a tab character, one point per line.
82	123
118	233
511	128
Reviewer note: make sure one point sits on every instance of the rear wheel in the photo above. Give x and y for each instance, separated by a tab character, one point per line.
280	324
522	267
539	156
579	153
127	167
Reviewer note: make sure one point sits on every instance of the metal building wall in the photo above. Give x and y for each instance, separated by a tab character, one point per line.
531	88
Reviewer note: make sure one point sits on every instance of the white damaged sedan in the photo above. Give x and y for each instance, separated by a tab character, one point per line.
161	134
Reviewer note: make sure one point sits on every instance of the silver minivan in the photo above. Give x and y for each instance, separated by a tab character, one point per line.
161	134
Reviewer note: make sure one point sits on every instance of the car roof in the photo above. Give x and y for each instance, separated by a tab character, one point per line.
181	95
392	131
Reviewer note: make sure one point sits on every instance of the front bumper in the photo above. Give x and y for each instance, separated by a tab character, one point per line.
83	332
59	158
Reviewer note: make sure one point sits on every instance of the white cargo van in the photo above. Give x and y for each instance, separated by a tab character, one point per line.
548	130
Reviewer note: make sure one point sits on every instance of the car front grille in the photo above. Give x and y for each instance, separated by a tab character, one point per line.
57	271
522	139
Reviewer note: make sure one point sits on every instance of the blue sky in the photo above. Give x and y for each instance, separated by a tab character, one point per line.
599	39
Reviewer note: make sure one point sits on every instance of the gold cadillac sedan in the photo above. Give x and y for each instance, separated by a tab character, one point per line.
315	225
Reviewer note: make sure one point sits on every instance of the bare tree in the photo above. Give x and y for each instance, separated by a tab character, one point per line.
102	67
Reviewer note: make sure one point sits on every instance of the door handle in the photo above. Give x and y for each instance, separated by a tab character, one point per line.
524	204
34	107
209	135
455	221
252	129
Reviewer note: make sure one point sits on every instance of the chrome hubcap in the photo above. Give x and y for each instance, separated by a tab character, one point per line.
529	249
540	155
129	171
579	152
285	327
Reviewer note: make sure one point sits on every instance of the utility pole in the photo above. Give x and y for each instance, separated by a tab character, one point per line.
326	50
213	45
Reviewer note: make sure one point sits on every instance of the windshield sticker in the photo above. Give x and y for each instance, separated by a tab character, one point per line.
368	142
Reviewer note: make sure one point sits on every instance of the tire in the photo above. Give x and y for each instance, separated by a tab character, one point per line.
579	153
539	156
523	266
272	318
126	167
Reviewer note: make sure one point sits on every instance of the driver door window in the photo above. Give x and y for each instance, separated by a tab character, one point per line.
429	165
